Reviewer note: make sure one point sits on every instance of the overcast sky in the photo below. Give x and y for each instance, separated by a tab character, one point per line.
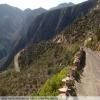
33	4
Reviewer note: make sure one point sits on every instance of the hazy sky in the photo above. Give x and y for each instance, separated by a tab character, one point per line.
33	4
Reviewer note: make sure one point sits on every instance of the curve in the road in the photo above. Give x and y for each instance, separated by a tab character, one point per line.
16	62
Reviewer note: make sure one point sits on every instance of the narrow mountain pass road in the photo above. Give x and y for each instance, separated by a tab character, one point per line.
90	79
16	62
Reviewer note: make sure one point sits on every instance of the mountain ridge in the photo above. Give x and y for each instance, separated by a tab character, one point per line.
12	20
60	19
62	5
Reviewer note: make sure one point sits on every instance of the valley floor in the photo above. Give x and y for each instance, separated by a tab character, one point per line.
90	80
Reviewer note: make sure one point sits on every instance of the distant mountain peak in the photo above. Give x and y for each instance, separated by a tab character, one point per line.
28	9
6	6
66	4
41	8
62	5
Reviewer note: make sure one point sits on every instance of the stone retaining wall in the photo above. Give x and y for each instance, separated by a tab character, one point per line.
69	88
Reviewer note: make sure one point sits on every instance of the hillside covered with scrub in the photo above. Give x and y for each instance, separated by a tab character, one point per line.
84	28
85	32
43	65
37	63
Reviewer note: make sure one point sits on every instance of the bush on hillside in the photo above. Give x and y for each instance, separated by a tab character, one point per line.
51	86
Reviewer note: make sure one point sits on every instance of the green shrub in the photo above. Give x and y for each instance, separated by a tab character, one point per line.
74	48
51	86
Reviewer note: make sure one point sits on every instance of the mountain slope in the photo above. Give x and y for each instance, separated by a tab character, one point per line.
10	20
81	29
38	62
50	23
14	24
32	14
47	25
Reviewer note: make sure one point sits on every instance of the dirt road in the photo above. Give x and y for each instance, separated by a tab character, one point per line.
90	80
16	63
